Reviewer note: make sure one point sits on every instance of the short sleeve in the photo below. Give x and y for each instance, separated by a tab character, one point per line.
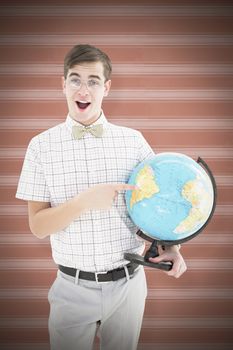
145	150
32	182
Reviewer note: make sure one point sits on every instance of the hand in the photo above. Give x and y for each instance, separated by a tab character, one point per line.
172	254
101	196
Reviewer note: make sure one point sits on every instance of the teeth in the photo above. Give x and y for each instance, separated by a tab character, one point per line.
83	101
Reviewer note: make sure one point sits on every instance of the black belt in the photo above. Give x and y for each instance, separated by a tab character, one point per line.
112	275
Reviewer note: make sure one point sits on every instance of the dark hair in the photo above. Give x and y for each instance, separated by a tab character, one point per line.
87	53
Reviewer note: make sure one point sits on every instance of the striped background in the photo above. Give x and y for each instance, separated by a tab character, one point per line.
173	70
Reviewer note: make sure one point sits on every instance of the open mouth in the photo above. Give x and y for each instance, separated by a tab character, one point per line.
82	105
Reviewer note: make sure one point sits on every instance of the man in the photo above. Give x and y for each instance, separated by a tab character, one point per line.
74	179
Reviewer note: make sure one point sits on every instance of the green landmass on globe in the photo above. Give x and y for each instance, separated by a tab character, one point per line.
146	185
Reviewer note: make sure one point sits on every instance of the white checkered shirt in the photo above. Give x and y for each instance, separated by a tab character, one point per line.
57	167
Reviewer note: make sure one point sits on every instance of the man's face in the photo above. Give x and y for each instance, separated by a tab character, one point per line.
85	88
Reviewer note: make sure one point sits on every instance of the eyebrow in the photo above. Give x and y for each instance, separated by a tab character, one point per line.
90	76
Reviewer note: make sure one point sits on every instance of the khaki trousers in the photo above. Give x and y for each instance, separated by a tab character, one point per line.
78	308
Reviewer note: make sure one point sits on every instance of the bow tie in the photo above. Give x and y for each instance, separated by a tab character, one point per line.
79	131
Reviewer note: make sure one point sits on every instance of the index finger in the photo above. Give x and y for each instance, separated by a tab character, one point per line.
124	187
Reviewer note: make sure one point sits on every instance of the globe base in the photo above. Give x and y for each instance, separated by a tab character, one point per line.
138	259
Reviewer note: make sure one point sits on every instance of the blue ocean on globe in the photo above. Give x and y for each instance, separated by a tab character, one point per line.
173	198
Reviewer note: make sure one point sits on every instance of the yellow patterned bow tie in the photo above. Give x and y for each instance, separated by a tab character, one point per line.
79	131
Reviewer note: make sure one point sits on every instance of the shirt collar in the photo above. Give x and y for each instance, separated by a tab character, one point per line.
70	122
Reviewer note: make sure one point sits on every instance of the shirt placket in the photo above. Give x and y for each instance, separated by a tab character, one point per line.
93	159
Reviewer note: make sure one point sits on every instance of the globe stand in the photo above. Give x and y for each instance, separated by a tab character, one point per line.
152	252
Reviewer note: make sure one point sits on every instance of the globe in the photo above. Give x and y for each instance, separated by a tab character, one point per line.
173	199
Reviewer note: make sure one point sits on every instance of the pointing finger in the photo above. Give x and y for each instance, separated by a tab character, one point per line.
124	187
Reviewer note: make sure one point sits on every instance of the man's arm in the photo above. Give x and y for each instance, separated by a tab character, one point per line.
45	220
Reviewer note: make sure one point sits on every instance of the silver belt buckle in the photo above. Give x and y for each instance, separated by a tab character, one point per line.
100	273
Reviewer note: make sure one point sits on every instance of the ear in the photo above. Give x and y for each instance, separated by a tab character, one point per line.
63	85
107	87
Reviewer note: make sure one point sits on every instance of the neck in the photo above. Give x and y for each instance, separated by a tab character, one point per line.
87	122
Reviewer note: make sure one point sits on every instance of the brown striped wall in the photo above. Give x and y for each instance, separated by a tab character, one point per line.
172	80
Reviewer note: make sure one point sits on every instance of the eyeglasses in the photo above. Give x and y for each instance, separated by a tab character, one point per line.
91	84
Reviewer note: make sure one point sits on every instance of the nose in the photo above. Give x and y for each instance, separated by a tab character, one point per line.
83	90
